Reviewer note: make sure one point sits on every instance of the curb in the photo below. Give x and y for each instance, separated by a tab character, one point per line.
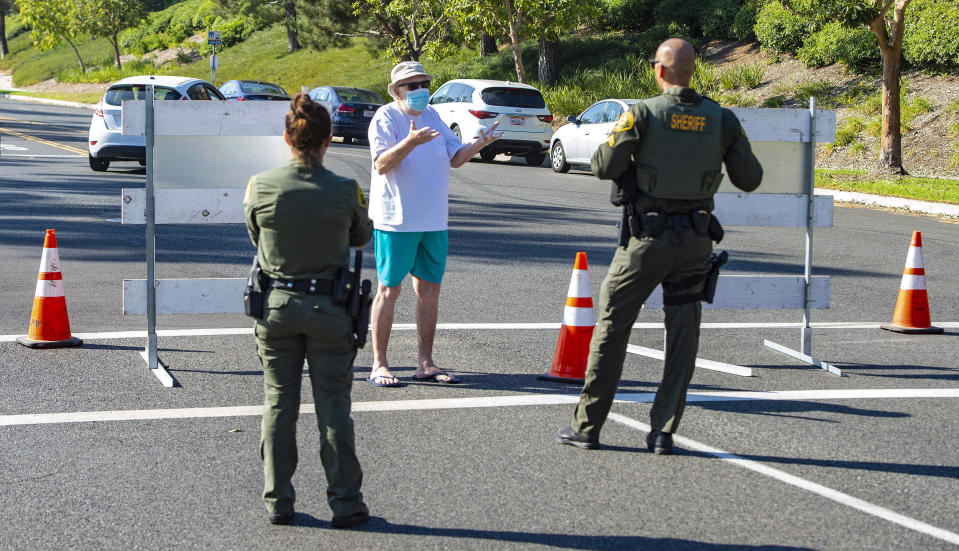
45	101
915	205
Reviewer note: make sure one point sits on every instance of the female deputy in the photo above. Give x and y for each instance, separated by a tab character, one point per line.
303	220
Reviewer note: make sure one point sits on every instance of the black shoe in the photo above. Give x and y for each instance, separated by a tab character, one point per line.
659	442
351	520
281	518
573	438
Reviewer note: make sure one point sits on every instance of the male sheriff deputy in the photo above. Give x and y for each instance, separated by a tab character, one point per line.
665	155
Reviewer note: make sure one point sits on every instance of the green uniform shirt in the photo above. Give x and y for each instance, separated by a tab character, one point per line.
615	156
303	220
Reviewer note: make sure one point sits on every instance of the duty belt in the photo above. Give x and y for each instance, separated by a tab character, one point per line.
308	286
679	221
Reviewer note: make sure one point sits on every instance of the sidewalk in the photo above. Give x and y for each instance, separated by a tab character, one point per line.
915	205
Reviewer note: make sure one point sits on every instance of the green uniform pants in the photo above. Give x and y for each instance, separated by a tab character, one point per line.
675	256
297	326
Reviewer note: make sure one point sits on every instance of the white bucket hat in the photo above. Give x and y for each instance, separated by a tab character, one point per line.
405	70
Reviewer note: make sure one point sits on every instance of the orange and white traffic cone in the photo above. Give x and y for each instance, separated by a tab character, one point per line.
912	306
572	347
49	325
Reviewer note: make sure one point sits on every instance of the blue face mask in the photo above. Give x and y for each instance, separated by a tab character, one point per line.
418	99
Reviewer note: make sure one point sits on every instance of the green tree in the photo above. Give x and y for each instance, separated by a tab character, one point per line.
327	23
886	20
413	27
267	12
519	19
53	21
107	18
6	7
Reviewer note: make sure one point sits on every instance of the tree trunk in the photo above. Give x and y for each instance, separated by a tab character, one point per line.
83	67
890	47
515	39
890	136
3	36
116	48
487	45
548	67
292	43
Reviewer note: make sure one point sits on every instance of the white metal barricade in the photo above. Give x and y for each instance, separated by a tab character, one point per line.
201	154
199	157
785	142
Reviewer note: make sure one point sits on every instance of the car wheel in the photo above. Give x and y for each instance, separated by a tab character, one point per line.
487	154
456	130
99	165
347	140
535	159
558	157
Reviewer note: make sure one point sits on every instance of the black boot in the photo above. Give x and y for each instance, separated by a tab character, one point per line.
282	518
659	442
573	438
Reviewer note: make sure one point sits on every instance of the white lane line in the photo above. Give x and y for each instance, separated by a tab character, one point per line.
478	326
801	483
465	403
331	152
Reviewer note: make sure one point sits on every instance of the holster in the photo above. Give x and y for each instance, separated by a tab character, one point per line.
255	293
360	301
342	287
712	278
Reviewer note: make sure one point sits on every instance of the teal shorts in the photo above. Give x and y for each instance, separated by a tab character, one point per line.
421	253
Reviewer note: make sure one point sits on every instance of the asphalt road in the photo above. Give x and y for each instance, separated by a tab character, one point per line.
866	461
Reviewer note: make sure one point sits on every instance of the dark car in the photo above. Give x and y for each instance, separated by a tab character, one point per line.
243	90
352	109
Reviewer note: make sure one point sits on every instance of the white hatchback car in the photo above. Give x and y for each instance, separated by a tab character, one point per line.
469	105
107	142
575	143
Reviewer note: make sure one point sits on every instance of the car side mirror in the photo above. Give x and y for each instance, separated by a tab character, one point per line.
572	119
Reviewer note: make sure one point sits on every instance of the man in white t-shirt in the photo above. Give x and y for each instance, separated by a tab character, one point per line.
413	151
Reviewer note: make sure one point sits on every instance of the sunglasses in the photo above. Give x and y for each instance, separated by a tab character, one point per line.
416	85
653	62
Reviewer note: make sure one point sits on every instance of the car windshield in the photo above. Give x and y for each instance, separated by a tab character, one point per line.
117	94
513	97
358	96
264	88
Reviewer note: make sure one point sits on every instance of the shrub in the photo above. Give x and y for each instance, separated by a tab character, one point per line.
774	101
822	90
780	29
854	46
716	18
745	20
632	16
749	75
849	130
931	38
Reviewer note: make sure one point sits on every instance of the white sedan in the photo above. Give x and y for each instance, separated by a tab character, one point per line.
575	143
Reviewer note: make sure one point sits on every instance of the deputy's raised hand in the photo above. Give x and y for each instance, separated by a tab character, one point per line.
421	136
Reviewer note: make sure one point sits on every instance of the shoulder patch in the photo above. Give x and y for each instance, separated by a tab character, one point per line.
361	197
249	190
625	122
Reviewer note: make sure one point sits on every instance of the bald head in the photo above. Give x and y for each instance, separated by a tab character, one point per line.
678	61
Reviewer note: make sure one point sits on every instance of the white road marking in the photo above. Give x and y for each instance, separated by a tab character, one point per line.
477	402
480	326
809	486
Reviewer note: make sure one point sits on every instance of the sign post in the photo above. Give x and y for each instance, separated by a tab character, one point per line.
213	39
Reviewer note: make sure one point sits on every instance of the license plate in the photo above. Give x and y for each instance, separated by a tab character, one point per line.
517	121
367	113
